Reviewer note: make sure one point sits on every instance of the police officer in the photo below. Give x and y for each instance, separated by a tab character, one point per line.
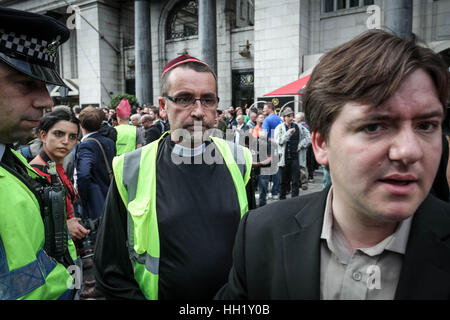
28	46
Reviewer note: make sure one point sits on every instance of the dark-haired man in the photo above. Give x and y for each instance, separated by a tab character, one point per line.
28	46
375	107
287	136
174	206
93	163
158	127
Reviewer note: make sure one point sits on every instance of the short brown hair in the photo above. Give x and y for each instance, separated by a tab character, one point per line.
368	70
269	105
196	66
91	118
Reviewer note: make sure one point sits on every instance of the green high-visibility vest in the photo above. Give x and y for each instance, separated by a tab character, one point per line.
26	271
135	175
126	138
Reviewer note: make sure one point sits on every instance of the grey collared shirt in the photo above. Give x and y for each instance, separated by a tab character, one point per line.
366	274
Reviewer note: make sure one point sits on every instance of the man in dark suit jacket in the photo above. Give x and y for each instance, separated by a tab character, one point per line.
277	252
376	233
93	164
158	127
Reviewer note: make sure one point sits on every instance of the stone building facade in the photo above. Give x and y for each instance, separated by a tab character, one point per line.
261	44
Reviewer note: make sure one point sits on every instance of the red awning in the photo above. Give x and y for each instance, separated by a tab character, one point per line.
293	88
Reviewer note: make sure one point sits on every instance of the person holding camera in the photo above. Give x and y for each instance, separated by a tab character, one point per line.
28	46
58	131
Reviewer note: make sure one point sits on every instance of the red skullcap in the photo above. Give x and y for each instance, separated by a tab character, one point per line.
180	60
123	110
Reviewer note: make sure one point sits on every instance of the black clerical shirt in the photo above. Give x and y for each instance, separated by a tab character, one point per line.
198	215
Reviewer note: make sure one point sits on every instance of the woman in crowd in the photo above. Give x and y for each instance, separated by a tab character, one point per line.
258	127
58	131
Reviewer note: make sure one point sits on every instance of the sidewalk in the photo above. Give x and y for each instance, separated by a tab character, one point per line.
314	186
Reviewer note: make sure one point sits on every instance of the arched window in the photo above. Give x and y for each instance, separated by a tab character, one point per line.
182	20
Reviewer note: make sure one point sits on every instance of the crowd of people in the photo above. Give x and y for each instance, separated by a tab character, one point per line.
160	202
81	143
291	153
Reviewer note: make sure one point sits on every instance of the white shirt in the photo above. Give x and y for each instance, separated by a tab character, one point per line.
86	136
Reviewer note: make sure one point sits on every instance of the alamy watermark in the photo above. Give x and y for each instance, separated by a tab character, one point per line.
262	149
374	21
76	277
374	277
73	21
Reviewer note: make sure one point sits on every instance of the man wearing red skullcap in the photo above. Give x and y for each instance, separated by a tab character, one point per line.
128	137
174	206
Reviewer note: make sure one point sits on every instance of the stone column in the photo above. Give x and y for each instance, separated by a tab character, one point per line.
398	17
207	34
143	53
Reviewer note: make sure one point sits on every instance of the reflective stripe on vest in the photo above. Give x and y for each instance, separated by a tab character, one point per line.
19	282
143	235
239	163
126	138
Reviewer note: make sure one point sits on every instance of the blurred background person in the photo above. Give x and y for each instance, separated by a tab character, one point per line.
94	174
158	128
128	137
147	122
136	120
287	136
240	130
93	163
271	121
305	142
221	123
251	123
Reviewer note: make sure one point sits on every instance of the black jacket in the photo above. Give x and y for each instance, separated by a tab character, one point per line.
277	252
156	130
92	175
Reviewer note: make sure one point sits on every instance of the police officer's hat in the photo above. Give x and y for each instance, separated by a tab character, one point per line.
29	43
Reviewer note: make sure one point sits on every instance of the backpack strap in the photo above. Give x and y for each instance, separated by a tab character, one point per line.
108	167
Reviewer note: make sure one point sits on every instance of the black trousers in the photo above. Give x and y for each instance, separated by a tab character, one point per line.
311	162
290	173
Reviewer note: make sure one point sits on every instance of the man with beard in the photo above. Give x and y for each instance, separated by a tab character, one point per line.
159	126
173	209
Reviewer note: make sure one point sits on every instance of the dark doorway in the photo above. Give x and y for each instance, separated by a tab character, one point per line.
130	86
243	87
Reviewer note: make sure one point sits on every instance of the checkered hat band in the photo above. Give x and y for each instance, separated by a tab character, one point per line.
25	46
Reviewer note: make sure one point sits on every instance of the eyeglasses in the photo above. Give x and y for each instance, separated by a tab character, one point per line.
189	100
